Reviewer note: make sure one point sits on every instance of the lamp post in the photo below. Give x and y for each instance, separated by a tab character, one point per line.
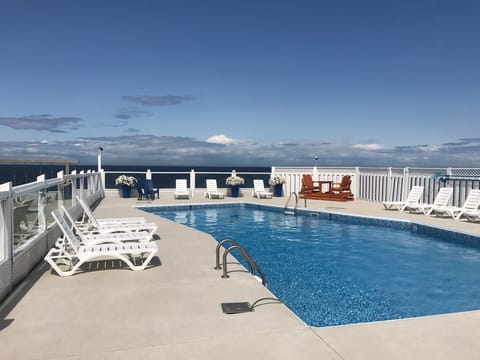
99	158
315	174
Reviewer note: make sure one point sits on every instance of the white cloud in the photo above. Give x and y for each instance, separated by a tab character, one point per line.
220	139
368	146
44	142
185	151
429	148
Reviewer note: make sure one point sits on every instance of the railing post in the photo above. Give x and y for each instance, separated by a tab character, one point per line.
389	194
41	206
102	183
356	190
89	182
192	182
74	185
60	189
406	177
6	225
82	184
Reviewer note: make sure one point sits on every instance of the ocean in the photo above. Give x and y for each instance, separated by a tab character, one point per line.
24	173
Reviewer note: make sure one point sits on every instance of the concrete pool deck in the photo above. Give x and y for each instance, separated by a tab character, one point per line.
172	309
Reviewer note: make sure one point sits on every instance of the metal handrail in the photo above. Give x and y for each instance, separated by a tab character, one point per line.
253	267
217	251
295	207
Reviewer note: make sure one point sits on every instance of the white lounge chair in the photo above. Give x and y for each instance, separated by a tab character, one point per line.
89	218
212	190
94	227
74	254
412	199
69	229
472	215
439	204
471	204
181	191
259	190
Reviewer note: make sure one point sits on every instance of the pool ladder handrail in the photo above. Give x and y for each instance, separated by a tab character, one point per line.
253	266
293	212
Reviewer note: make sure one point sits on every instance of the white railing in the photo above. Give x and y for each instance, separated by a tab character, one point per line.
165	180
382	184
26	226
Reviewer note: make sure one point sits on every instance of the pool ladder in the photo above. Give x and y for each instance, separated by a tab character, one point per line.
254	269
291	211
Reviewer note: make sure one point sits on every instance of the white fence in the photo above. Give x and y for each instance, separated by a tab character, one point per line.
382	184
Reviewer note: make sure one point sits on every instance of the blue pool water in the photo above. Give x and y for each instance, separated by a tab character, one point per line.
339	272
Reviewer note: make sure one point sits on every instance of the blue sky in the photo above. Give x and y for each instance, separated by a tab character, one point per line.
241	83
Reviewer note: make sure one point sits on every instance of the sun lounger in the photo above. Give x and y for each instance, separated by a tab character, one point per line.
472	215
440	203
73	253
70	229
471	204
89	218
95	227
412	199
259	190
212	190
181	191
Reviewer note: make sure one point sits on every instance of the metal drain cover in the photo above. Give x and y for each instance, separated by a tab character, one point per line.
236	308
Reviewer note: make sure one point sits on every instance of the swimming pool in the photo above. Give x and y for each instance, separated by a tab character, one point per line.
336	269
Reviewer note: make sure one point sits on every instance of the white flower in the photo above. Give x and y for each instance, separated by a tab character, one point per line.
125	180
277	179
235	180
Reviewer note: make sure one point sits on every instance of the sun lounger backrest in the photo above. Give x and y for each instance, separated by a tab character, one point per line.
415	194
258	185
66	230
443	196
181	185
473	200
67	217
211	185
87	212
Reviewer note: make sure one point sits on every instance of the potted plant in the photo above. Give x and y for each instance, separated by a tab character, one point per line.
126	183
277	182
234	182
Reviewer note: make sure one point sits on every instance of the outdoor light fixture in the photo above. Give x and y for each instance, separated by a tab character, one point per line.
99	158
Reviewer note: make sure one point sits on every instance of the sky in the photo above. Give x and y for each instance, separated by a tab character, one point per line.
241	83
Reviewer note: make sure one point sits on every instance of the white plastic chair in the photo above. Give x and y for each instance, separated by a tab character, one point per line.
471	204
259	190
68	227
74	254
90	219
94	227
212	190
412	199
439	204
181	191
